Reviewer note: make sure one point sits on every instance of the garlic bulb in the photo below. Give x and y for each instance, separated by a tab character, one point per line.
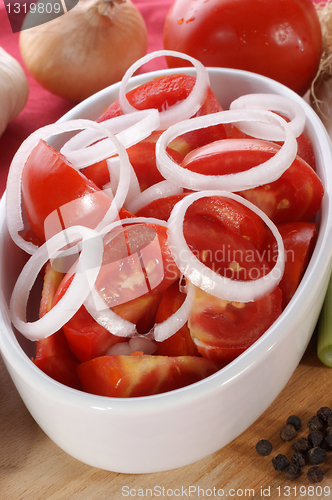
14	89
85	50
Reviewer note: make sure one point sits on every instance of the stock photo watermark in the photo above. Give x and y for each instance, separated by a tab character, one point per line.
25	14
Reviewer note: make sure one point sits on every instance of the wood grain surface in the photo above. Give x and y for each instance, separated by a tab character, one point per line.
32	467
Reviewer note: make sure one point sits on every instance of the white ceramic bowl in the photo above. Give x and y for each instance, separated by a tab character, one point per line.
174	429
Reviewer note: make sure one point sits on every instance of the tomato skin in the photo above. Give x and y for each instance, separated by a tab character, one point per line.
49	184
53	355
180	343
280	39
299	239
295	196
55	359
223	330
142	375
160	208
165	91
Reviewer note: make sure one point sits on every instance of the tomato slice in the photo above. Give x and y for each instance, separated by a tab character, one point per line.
142	375
180	343
55	359
295	196
160	208
137	267
55	195
165	91
304	146
53	355
222	329
142	157
299	240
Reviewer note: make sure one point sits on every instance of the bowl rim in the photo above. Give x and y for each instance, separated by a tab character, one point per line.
319	263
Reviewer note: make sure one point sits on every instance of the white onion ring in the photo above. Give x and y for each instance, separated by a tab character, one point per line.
106	317
96	305
180	111
205	278
270	102
114	167
88	266
165	329
159	190
14	216
83	149
259	175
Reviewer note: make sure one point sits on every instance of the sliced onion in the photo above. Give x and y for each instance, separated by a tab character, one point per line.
147	346
87	270
207	279
271	102
83	149
97	306
159	190
164	330
114	167
14	214
180	111
259	175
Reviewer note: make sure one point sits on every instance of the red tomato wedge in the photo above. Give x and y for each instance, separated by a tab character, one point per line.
55	195
180	343
295	196
165	91
53	355
299	240
55	359
137	267
142	157
160	208
221	329
142	375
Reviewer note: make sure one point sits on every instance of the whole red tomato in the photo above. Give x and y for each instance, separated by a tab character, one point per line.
280	39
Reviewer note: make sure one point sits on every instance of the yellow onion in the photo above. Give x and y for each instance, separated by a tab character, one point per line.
14	89
85	50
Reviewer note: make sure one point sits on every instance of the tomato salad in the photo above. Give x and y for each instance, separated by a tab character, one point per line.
167	247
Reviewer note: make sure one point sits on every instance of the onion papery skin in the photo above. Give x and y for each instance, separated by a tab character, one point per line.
205	278
91	47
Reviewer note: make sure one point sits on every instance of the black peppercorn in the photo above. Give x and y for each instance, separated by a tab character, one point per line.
315	438
280	462
301	445
298	459
293	471
264	447
328	442
287	432
315	474
315	423
328	430
324	413
295	421
316	455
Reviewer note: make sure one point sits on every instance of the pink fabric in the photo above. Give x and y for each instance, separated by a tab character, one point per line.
43	107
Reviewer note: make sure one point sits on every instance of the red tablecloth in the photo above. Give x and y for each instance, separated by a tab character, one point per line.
43	107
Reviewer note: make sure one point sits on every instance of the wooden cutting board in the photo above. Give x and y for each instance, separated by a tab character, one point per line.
33	467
